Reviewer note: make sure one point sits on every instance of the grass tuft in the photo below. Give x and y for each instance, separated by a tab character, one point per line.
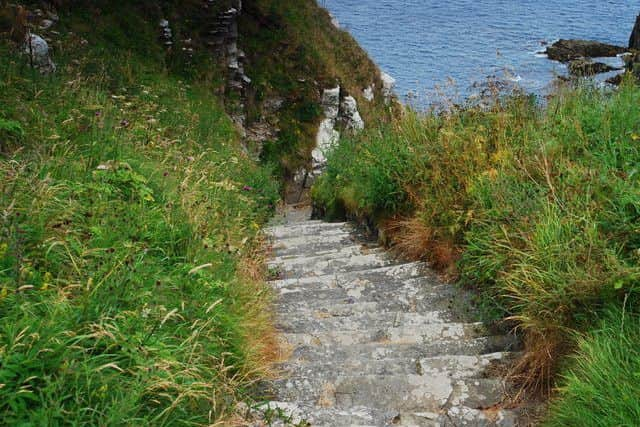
601	385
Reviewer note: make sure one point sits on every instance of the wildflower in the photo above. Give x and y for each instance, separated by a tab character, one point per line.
165	174
98	113
247	188
124	123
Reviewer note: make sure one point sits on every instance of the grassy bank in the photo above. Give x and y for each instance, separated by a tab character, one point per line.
294	53
130	274
537	208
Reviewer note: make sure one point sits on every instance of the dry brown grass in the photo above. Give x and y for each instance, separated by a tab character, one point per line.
414	239
534	373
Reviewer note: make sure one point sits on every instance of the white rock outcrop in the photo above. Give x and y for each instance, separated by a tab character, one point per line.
368	93
336	113
39	54
388	85
334	21
327	136
331	102
350	114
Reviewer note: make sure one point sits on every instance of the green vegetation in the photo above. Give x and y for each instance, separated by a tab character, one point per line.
294	53
602	388
130	273
538	208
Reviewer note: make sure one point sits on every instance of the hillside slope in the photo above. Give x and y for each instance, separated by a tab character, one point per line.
131	202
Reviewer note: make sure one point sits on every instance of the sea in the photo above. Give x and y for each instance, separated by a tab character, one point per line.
450	49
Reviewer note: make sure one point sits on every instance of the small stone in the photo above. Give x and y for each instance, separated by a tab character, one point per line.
38	50
46	24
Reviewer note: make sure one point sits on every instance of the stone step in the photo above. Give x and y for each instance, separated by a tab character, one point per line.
324	245
392	392
364	321
293	414
339	307
321	266
365	291
454	366
305	256
308	353
310	228
397	271
458	416
428	333
363	416
317	242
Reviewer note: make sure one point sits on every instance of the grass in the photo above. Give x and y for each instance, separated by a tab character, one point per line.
601	387
130	276
535	207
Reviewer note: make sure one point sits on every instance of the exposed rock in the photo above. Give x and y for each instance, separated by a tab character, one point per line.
634	40
632	63
167	34
39	55
368	93
272	105
616	80
568	50
331	102
586	67
334	21
45	24
388	85
350	115
326	138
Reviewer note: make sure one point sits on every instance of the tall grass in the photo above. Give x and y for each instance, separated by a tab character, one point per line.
601	388
536	207
130	241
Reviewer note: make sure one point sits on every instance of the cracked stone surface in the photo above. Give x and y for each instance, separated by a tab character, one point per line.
375	341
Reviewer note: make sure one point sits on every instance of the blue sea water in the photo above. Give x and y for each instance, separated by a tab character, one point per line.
434	47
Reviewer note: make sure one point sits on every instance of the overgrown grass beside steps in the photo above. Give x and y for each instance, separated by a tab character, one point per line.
536	207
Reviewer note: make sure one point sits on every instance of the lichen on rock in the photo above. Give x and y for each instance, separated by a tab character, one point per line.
39	54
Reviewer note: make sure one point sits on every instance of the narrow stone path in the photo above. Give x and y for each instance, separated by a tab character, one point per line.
375	341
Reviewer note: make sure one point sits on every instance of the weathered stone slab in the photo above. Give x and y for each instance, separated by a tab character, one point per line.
375	341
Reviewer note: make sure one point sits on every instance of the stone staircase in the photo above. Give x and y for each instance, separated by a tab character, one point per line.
374	341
